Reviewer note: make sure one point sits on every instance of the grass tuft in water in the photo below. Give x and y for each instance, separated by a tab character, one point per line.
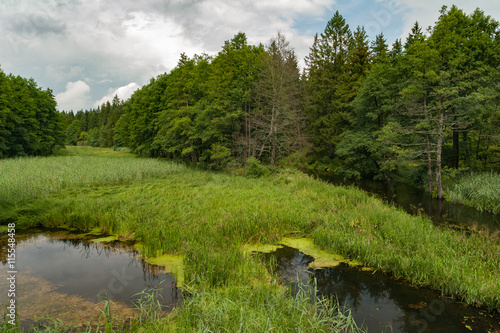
478	190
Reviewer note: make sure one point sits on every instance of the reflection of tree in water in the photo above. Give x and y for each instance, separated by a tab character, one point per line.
291	267
388	302
125	270
162	284
349	287
417	201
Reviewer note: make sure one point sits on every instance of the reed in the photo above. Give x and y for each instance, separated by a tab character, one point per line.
23	179
478	190
261	308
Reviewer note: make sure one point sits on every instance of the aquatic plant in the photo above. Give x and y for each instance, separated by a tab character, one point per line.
478	190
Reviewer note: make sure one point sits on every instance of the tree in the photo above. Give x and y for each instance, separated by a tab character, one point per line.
326	66
229	100
277	119
380	49
440	92
29	122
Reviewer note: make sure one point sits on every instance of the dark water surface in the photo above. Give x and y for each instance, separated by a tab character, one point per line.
381	303
54	265
417	201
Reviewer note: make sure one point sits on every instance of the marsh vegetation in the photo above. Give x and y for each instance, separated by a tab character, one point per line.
208	218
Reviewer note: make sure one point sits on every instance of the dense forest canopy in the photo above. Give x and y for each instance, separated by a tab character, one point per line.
29	122
359	108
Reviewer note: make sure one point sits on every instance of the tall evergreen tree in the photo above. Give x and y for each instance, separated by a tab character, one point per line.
326	69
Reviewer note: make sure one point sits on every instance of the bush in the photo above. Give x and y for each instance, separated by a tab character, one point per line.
254	169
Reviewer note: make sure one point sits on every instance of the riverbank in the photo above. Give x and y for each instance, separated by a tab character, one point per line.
208	217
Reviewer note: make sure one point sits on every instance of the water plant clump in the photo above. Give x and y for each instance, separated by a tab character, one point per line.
478	190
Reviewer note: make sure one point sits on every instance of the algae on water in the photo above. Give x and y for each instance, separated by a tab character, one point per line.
105	239
262	248
172	263
322	259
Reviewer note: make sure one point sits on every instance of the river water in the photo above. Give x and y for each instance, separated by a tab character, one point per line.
62	275
381	303
417	201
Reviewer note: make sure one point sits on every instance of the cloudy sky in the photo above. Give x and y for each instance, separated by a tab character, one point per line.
87	51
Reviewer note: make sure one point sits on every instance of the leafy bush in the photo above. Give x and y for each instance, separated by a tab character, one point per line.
254	169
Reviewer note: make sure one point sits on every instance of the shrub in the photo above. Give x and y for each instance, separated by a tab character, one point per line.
254	169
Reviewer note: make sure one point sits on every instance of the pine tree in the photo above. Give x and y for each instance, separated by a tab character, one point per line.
326	70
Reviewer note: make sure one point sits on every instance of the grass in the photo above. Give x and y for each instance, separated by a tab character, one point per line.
209	218
262	308
478	190
24	179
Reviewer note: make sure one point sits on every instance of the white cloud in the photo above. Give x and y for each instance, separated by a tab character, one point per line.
109	44
426	12
75	96
123	93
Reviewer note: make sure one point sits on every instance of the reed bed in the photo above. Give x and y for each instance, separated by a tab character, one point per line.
478	190
22	179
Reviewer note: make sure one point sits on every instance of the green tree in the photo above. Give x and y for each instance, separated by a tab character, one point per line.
29	122
326	68
278	117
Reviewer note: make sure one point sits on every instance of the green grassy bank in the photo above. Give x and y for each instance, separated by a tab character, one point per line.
209	217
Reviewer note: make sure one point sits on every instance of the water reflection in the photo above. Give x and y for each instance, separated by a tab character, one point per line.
57	266
417	201
384	304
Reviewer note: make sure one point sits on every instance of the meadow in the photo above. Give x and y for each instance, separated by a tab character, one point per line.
209	217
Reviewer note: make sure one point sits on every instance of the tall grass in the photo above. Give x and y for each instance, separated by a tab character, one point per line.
478	190
22	179
262	308
209	216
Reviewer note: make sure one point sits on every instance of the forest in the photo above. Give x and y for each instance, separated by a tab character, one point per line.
29	122
415	111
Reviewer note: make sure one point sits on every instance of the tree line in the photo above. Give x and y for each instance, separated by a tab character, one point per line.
361	109
29	122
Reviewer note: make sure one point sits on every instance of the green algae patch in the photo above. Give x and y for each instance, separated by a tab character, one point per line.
94	232
171	263
322	259
262	248
368	269
105	239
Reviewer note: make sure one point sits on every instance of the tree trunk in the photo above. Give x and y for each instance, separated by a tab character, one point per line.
487	153
477	149
439	150
429	166
299	134
456	149
429	157
467	153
